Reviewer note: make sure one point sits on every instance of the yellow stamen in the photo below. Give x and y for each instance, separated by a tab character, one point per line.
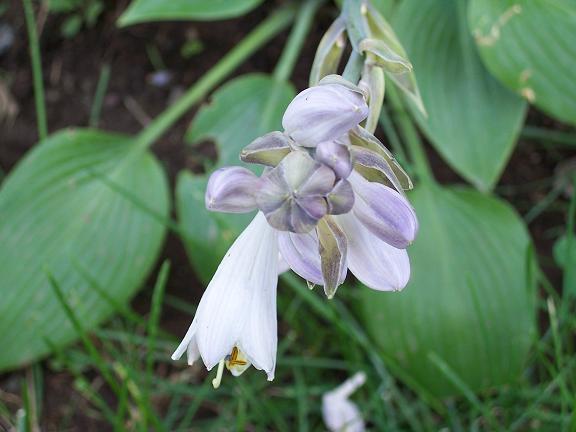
233	360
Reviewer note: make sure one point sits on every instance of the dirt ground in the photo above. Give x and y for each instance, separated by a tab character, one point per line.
72	68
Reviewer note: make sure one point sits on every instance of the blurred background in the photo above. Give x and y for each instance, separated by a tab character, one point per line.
104	256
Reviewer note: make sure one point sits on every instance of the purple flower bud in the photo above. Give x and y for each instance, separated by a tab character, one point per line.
336	156
386	213
323	113
231	190
292	195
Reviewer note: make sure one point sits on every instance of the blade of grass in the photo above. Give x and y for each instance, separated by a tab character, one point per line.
547	136
99	94
199	397
34	47
84	387
529	412
569	270
256	39
302	400
463	387
93	352
327	311
120	308
153	321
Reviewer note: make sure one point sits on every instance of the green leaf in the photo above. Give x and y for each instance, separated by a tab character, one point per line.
470	302
70	209
565	257
529	46
240	111
384	6
161	10
473	121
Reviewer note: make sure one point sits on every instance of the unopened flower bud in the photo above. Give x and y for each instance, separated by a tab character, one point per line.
323	113
335	156
292	195
231	190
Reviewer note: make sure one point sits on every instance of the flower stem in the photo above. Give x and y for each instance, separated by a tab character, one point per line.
36	69
411	137
296	39
353	67
258	37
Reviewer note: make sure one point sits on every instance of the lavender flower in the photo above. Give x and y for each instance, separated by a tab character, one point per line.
330	199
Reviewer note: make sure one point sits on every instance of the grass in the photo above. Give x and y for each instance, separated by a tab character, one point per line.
125	373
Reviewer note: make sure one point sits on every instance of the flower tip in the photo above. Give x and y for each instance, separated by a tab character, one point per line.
175	356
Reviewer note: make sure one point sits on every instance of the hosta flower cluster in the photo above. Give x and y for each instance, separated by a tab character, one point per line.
330	199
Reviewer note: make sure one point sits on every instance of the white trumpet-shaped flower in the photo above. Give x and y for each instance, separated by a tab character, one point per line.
235	323
340	414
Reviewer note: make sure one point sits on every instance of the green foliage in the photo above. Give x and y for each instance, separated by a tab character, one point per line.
79	13
240	111
473	121
70	209
529	46
160	10
470	301
83	217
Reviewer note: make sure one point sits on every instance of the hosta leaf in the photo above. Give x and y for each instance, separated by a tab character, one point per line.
470	302
240	111
71	209
473	121
162	10
529	45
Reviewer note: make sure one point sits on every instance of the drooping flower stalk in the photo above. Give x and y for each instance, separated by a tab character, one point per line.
330	199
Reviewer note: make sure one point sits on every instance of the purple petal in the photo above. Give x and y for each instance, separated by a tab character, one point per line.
362	138
341	199
300	251
336	156
320	181
292	195
386	213
231	190
323	113
290	217
374	263
315	206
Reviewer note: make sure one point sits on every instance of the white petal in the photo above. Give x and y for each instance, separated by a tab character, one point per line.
282	264
259	339
188	344
374	262
246	274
